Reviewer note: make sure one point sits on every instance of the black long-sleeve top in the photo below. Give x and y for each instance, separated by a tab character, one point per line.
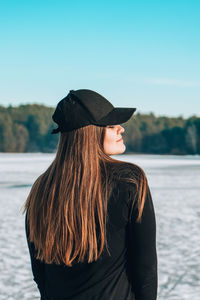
128	273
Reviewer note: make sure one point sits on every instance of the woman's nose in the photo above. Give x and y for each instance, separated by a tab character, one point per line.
121	129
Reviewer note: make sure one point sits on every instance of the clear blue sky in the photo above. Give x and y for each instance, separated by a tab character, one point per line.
143	54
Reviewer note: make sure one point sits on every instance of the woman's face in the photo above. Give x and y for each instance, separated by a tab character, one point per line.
113	142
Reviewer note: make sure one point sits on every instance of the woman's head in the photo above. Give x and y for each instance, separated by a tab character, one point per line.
83	113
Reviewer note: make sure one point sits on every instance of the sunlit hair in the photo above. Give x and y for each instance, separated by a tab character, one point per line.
67	205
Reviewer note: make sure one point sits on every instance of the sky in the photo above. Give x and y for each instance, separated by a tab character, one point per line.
143	54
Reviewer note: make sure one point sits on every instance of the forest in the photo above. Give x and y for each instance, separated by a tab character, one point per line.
27	128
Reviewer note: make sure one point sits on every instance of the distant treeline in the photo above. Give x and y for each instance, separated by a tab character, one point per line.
27	128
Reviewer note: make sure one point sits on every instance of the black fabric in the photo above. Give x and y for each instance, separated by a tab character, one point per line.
97	105
118	115
85	107
128	273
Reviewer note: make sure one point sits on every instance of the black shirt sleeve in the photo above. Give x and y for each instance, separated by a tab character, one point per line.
36	264
142	251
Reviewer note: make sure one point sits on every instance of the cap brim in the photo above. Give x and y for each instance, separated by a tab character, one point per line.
118	115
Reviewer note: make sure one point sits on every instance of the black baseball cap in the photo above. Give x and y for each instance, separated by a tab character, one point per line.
85	107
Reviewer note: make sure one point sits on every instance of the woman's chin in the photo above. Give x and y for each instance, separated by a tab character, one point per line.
122	149
116	150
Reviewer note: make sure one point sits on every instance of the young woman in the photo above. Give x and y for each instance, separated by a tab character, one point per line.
90	221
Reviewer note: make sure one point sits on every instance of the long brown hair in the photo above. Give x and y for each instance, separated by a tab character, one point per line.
70	198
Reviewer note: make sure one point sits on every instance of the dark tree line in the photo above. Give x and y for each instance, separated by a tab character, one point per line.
27	128
163	135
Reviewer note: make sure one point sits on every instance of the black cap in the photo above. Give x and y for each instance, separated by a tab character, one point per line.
85	107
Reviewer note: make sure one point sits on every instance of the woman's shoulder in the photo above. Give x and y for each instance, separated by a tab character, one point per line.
127	171
129	177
